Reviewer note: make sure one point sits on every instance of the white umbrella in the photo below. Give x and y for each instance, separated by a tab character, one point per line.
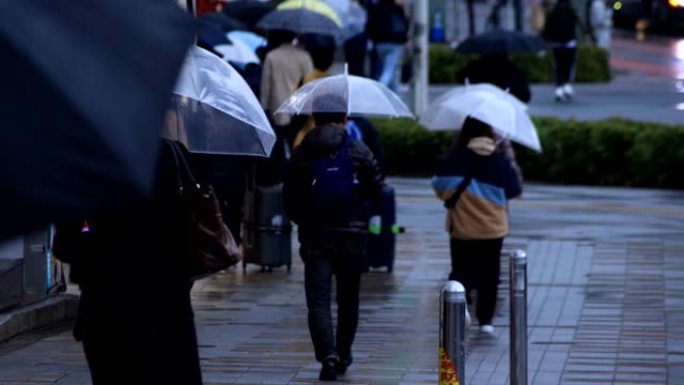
251	39
362	96
237	52
217	112
506	114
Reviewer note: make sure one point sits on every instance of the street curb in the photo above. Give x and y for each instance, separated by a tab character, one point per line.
49	311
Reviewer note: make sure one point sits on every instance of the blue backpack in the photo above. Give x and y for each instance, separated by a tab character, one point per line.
331	199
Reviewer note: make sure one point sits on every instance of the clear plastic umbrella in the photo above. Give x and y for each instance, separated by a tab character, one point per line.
237	52
359	96
506	114
216	111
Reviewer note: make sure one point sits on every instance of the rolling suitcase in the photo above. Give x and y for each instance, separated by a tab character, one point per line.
380	244
266	230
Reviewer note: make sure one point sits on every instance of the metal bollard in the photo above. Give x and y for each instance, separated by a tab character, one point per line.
518	330
452	327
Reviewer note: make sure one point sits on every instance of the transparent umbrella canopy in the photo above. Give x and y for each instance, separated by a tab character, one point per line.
362	96
488	103
215	111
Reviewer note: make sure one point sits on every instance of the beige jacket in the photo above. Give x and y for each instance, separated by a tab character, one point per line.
283	72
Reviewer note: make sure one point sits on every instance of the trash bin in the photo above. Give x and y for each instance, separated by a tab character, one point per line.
266	229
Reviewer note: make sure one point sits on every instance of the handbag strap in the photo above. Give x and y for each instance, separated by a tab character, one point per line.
451	202
183	171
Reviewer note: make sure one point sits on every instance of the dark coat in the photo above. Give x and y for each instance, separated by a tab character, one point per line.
134	313
319	141
384	21
561	24
501	72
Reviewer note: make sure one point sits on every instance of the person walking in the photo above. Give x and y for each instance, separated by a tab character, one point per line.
356	40
284	69
475	181
135	319
388	29
601	21
329	179
561	29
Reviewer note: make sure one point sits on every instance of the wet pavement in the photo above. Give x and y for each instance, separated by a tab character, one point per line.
606	303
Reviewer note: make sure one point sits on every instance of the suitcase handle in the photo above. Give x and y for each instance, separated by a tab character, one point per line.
393	229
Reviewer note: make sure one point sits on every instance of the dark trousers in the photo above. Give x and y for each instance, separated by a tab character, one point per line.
564	64
318	272
477	264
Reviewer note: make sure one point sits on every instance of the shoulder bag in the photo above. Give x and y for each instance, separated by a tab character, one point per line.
213	245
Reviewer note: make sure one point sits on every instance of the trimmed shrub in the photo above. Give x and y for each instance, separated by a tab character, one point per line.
614	152
592	65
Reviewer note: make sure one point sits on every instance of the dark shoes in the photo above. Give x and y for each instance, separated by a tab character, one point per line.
342	365
329	369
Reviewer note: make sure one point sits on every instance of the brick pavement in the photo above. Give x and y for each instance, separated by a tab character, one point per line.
606	303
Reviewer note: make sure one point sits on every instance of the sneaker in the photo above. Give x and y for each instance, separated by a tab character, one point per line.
567	89
328	369
560	94
487	329
343	364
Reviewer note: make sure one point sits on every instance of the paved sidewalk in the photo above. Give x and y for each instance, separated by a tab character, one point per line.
606	303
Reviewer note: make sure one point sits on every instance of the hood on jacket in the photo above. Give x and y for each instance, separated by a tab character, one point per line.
482	145
323	139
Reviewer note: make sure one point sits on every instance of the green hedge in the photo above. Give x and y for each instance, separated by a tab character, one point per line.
592	65
615	152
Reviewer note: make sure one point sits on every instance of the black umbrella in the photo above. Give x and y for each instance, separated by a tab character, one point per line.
500	42
248	11
85	88
222	21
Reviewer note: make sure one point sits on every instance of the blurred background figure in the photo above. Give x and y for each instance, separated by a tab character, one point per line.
284	69
538	10
388	29
601	23
322	49
560	29
356	39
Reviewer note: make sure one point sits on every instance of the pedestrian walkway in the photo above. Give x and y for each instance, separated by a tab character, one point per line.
606	303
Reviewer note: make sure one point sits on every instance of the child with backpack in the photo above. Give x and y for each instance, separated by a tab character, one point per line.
330	176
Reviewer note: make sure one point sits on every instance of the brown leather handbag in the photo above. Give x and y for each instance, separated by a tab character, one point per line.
214	247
